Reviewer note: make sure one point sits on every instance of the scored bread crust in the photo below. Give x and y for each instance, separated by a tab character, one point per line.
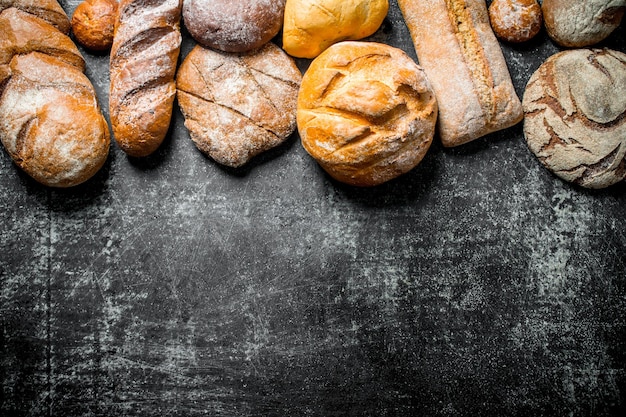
458	50
238	105
144	54
363	123
48	10
50	121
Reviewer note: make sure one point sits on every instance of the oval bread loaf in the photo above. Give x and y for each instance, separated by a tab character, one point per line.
364	123
50	121
48	10
575	116
238	105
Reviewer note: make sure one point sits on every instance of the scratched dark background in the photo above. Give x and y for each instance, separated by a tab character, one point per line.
477	284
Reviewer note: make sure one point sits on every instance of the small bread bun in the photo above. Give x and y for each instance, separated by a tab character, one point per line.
233	25
575	108
311	26
515	20
93	23
363	123
577	24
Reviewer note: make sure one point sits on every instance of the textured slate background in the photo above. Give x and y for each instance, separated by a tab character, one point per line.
477	284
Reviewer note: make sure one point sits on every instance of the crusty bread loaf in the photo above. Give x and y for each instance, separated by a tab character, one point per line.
143	63
233	25
366	112
93	23
50	121
575	116
238	105
456	47
311	26
582	22
48	10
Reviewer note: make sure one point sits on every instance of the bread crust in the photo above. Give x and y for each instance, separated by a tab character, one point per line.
575	116
458	50
578	24
233	25
144	55
48	10
238	105
93	23
50	121
515	20
364	124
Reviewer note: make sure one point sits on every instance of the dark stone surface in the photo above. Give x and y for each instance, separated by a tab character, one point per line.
477	284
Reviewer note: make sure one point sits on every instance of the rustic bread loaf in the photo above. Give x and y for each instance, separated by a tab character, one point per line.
311	26
462	58
233	25
50	121
582	22
48	10
93	23
238	105
143	63
515	20
575	116
366	112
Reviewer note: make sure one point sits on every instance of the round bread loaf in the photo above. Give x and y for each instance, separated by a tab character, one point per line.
311	26
238	105
93	23
366	112
579	23
233	25
515	20
575	108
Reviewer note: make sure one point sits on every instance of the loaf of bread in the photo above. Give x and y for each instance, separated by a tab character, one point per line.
311	26
575	116
366	112
456	47
48	10
93	23
144	55
233	25
238	105
50	121
582	22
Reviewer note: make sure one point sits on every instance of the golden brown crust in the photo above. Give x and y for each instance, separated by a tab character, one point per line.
364	124
238	105
143	62
48	10
465	65
515	20
93	23
50	121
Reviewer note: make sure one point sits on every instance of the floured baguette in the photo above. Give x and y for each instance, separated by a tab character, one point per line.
458	50
143	62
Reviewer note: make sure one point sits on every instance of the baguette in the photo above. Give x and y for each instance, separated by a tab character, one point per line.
461	56
48	10
144	54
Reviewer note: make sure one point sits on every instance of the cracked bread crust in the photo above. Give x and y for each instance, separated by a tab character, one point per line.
458	50
575	116
48	10
362	123
238	105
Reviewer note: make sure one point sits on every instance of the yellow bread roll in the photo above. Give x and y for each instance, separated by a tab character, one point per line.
311	26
